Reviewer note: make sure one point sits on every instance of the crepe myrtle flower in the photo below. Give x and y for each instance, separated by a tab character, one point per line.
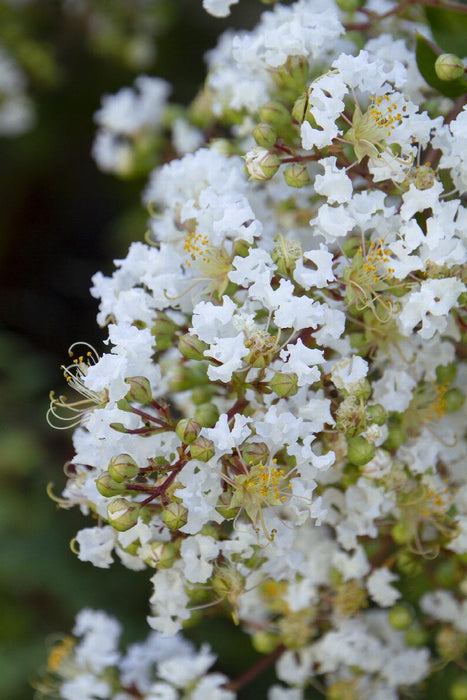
63	414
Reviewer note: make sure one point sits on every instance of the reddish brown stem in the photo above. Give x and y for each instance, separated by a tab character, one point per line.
256	670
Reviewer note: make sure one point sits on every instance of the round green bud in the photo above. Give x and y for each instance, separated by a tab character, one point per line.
202	449
351	246
363	390
187	430
228	583
350	474
261	165
445	374
408	564
359	450
447	573
202	394
123	468
401	532
124	405
397	435
175	515
164	330
296	175
107	486
274	113
122	514
207	414
264	135
192	347
416	637
377	414
283	384
255	453
162	555
454	400
358	340
265	642
348	5
458	690
448	66
400	617
140	390
299	108
450	643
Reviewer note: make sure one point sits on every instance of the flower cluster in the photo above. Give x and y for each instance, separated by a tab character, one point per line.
276	431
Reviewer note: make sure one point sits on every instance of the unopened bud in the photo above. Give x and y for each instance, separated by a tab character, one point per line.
274	113
122	514
207	414
284	384
140	390
377	414
445	374
453	400
360	451
448	66
265	642
187	430
224	508
397	435
296	175
416	637
400	617
408	563
162	555
261	164
401	532
458	690
202	449
164	330
300	107
107	486
175	515
123	467
192	347
255	453
450	643
264	135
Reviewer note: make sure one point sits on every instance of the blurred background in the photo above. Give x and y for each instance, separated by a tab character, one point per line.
61	220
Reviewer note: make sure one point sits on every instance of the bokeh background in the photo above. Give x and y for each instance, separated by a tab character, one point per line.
61	220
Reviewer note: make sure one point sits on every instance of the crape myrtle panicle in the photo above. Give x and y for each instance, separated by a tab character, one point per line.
275	428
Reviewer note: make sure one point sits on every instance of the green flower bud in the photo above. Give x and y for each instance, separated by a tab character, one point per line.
164	330
140	390
448	66
295	629
123	468
397	435
119	427
458	690
255	453
377	414
124	405
408	564
450	643
265	642
296	175
192	347
416	637
202	449
351	246
107	486
445	374
401	532
241	247
162	555
362	390
454	400
400	617
122	514
300	107
175	515
348	5
359	450
284	384
264	135
187	430
274	113
285	254
350	474
447	573
358	340
229	584
261	164
207	414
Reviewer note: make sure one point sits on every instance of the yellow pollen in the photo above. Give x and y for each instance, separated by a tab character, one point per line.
196	246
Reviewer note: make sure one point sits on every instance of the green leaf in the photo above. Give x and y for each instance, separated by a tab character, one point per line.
449	29
426	57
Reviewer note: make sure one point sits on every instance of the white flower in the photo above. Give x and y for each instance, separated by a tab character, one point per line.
218	8
349	373
96	545
380	589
